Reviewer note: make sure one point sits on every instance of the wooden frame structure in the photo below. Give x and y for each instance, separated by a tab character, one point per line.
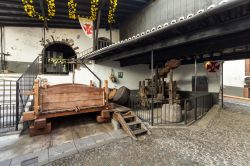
64	100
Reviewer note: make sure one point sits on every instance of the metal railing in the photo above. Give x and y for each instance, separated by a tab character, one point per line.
182	112
7	105
84	53
50	67
24	85
7	116
103	43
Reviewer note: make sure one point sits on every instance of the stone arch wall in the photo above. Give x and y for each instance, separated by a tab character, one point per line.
68	42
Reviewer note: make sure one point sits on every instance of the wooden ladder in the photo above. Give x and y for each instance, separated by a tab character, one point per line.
130	123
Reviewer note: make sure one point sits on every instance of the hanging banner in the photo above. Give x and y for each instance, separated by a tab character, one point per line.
87	26
212	66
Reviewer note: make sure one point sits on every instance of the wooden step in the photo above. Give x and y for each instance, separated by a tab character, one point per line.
139	131
128	116
133	123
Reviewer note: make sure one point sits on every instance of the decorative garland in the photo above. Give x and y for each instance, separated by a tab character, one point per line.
51	8
112	10
30	9
73	12
93	9
72	9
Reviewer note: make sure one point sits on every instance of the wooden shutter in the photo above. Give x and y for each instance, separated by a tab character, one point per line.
247	67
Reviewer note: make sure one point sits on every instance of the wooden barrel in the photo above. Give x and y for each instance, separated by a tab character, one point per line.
121	96
112	93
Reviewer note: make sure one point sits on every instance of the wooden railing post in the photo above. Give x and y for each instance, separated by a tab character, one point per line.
106	91
91	83
36	96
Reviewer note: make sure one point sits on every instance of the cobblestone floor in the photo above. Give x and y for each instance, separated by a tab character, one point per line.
224	141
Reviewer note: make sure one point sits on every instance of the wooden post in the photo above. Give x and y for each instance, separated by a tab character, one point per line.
36	97
106	89
73	79
110	33
163	88
171	87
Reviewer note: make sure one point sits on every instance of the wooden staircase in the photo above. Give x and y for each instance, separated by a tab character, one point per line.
130	123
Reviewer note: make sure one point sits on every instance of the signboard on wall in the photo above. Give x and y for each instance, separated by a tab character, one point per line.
87	26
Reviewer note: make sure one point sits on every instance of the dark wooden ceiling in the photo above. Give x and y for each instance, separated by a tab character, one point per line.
13	14
207	36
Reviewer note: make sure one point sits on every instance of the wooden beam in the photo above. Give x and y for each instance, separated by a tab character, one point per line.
41	2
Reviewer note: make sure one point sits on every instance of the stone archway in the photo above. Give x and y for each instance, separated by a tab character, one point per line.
55	55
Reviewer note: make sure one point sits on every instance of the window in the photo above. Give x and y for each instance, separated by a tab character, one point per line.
103	42
56	57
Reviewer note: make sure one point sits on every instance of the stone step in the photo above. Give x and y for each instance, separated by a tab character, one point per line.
139	132
10	75
133	123
128	116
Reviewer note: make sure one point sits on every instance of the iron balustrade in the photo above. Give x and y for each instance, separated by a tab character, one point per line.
103	43
191	109
7	105
24	85
60	67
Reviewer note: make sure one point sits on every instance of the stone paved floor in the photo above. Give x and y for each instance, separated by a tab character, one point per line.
81	130
222	140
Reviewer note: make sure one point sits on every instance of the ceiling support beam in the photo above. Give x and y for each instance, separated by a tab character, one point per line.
41	2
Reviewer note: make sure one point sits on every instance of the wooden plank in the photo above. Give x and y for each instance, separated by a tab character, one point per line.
237	97
33	131
36	96
72	105
247	67
27	116
246	92
70	89
126	128
67	113
67	97
40	123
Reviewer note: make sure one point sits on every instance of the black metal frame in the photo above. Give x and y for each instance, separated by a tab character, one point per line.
7	106
24	85
56	68
192	109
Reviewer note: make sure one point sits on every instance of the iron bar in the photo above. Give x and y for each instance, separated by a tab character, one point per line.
100	81
185	108
17	104
195	87
152	92
222	92
2	66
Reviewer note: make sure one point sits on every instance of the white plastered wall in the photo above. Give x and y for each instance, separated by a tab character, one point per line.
24	45
234	73
183	76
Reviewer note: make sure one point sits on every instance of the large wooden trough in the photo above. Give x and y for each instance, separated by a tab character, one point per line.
64	100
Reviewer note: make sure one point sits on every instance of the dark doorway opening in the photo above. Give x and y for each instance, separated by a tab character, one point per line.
56	57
